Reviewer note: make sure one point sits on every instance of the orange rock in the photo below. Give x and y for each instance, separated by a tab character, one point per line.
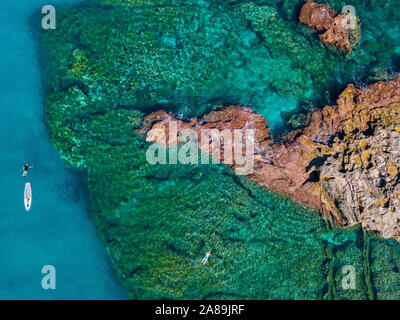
393	171
337	27
363	144
292	166
319	16
336	35
366	156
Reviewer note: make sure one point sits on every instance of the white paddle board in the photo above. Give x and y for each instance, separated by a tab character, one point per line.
28	196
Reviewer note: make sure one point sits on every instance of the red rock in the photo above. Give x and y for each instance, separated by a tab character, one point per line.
289	167
337	31
319	16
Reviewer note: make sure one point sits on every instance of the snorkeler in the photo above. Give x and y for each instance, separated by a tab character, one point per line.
26	167
205	259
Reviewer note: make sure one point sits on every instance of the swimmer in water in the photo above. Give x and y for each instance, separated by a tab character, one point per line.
205	259
26	168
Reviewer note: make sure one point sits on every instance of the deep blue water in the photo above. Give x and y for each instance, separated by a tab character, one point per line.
58	229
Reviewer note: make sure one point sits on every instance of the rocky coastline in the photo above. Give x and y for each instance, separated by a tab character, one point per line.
343	163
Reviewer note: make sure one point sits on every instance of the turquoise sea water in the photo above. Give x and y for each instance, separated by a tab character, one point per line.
58	229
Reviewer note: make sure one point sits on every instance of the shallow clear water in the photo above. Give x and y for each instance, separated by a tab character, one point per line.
58	229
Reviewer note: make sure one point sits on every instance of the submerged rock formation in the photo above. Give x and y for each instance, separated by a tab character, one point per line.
345	162
341	30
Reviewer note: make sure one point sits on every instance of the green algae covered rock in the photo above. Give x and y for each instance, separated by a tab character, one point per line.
110	62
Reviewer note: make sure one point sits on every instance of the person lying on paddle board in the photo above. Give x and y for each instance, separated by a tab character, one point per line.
205	259
26	167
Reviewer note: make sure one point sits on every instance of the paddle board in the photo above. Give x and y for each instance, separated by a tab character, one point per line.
28	196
